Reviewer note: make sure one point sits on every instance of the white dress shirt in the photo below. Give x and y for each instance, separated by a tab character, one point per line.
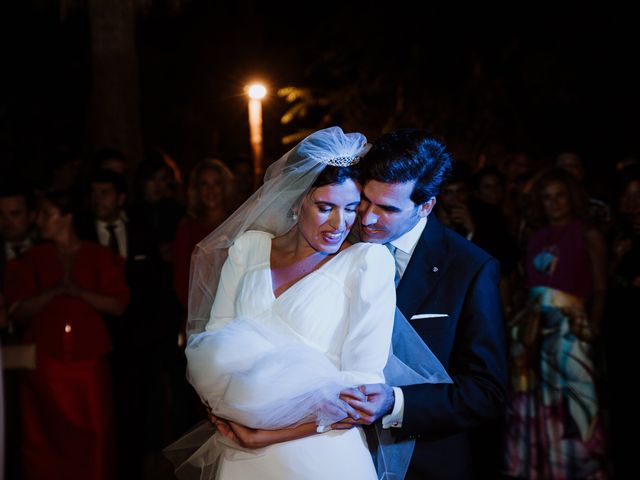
120	232
405	245
10	248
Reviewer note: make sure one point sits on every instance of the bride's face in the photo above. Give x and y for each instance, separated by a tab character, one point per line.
327	214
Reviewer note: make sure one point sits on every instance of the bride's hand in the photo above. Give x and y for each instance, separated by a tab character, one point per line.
352	393
344	424
378	401
352	415
339	408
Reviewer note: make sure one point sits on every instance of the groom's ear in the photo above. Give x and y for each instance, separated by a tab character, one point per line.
426	207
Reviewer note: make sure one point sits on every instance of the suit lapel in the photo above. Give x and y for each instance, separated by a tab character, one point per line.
428	263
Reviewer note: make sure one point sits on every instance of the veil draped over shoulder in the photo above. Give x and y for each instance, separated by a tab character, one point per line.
271	209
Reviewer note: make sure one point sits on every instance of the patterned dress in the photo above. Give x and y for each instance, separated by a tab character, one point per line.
554	422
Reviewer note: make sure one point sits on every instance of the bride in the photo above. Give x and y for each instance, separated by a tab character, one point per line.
285	313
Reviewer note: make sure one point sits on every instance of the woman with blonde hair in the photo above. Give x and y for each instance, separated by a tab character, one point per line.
209	201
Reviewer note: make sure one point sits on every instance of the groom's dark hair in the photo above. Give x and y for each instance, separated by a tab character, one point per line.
406	155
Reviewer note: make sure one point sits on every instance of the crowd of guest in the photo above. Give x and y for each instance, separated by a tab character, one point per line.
570	283
95	274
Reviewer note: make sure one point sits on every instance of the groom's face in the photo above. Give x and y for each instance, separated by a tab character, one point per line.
387	211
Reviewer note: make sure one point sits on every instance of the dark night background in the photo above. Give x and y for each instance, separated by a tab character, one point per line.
170	74
540	79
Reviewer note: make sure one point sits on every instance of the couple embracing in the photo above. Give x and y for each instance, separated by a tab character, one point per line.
332	316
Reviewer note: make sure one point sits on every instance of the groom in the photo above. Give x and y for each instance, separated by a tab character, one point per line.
448	289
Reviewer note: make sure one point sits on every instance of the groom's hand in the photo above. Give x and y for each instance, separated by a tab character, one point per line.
378	402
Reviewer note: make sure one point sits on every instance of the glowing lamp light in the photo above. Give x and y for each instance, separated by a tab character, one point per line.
256	91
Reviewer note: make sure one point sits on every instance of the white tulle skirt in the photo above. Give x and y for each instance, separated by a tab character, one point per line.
269	378
263	377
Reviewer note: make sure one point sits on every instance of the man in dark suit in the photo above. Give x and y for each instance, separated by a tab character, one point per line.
17	216
144	337
111	226
448	289
17	235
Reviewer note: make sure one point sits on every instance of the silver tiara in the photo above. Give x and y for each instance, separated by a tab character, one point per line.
346	161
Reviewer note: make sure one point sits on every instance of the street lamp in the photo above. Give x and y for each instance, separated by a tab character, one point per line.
256	93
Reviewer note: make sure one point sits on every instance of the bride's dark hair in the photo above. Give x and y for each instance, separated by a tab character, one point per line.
331	175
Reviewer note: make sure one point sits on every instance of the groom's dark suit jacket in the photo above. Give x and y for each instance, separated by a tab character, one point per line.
449	275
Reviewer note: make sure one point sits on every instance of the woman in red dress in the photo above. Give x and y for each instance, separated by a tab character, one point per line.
60	289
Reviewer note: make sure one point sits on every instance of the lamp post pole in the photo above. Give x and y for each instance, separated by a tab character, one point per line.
256	93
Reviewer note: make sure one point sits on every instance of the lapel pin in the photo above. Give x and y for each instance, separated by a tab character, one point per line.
435	269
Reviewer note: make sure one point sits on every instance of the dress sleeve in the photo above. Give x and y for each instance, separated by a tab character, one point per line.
211	353
371	312
223	309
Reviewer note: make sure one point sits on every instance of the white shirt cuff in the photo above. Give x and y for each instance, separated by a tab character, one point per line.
394	419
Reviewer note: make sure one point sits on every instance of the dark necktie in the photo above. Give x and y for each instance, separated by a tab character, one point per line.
17	250
112	243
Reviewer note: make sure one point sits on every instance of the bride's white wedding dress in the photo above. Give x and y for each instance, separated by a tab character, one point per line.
340	316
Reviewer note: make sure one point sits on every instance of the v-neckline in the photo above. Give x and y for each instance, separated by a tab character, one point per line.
301	279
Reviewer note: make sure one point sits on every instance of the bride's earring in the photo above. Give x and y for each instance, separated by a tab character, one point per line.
293	215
